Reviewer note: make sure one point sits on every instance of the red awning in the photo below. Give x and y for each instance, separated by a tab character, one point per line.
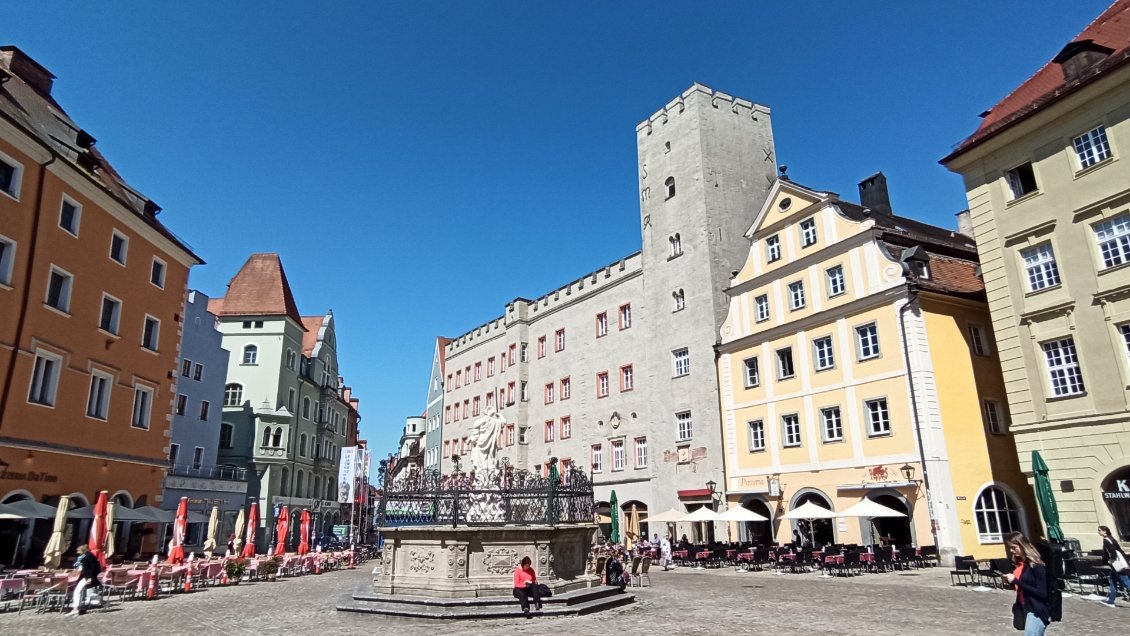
694	493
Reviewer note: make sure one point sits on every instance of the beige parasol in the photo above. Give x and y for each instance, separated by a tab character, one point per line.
54	552
634	523
111	536
213	527
240	522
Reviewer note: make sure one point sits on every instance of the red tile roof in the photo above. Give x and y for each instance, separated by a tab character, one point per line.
259	289
313	325
949	275
441	347
1111	30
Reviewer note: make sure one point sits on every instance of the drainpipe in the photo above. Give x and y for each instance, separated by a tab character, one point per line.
912	299
21	322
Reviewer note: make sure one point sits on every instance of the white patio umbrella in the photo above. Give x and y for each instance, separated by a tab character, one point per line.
53	554
870	510
669	516
808	512
741	513
703	515
213	528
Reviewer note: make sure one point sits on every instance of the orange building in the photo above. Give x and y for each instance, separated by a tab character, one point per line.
92	288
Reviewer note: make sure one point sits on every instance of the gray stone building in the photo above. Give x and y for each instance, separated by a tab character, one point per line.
615	370
433	413
197	412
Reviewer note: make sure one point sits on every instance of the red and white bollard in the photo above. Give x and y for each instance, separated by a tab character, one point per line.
318	564
352	563
188	577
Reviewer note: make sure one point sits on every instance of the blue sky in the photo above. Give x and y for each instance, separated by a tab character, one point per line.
418	164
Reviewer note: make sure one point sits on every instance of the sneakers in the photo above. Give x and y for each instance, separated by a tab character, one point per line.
1107	603
73	613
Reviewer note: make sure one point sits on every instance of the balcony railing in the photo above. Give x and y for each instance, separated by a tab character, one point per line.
229	473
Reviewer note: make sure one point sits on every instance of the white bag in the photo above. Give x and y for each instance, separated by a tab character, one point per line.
93	597
1118	563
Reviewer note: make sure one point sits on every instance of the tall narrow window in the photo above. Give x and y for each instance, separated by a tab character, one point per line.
752	373
119	245
682	359
1113	236
680	300
182	404
44	379
785	363
525	352
756	435
878	418
478	371
772	248
832	424
684	427
977	341
548	431
835	279
602	384
541	347
10	174
566	427
618	462
994	421
1091	147
151	333
69	215
669	185
566	388
1064	372
204	407
627	378
98	402
867	341
7	260
796	295
676	245
641	452
1040	265
59	290
1124	329
790	425
807	232
142	402
559	340
762	303
549	393
157	273
226	432
597	457
602	324
625	316
110	318
174	452
822	350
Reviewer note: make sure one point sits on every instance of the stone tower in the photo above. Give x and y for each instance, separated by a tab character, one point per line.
706	162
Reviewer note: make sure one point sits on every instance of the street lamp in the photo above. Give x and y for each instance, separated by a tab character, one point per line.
907	472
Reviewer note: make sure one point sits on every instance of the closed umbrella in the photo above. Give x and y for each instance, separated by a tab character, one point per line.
111	514
614	512
180	528
1047	500
252	528
97	542
213	527
304	533
240	522
54	552
282	527
634	523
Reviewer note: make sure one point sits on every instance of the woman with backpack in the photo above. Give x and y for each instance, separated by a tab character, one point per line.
1030	580
1119	565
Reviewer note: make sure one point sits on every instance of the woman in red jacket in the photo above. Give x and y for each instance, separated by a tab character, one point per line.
526	585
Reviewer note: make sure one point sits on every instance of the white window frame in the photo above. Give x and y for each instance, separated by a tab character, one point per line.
228	391
790	430
832	424
77	218
834	278
878	419
994	417
978	344
1114	248
681	358
761	303
566	427
1124	330
867	341
602	324
596	457
781	367
751	373
640	445
602	383
999	512
797	299
65	293
1065	374
142	420
125	248
1041	271
250	348
684	426
772	248
17	176
99	409
1091	147
7	260
156	333
755	431
116	317
566	387
164	271
627	378
625	316
51	377
558	341
824	357
808	236
619	458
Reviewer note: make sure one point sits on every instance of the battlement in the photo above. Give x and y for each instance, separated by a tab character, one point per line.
718	100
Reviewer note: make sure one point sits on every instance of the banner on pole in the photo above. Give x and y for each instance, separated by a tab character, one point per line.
346	474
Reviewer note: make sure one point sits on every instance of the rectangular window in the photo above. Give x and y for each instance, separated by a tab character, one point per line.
7	260
994	422
466	408
762	303
289	400
59	289
525	352
501	364
832	423
1091	147
10	176
625	316
197	457
182	403
478	371
204	407
602	324
1040	265
44	379
1021	180
822	349
1064	372
683	425
878	418
174	451
490	367
680	299
641	452
525	391
756	430
752	374
110	318
157	273
524	435
867	341
509	393
682	362
119	245
1113	236
541	347
142	400
549	393
1125	331
627	378
977	341
98	402
69	215
548	431
566	388
151	333
186	367
807	232
785	363
597	456
559	340
796	295
458	379
476	404
835	279
618	455
773	248
513	353
566	427
790	425
602	384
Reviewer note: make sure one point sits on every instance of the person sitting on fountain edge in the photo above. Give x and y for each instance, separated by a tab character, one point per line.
526	585
614	571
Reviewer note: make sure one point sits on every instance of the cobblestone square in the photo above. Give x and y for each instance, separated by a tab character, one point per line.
682	601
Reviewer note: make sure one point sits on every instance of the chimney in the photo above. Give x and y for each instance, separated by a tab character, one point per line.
965	223
16	62
873	194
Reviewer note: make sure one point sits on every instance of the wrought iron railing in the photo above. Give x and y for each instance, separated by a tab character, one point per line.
502	497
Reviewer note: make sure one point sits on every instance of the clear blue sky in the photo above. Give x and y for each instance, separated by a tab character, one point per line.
418	164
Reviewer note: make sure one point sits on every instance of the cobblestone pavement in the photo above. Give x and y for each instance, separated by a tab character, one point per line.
680	602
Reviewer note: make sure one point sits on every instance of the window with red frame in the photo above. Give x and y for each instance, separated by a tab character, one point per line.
502	362
475	406
549	393
449	384
627	378
602	384
510	393
559	340
541	347
467	374
490	367
602	324
447	415
490	400
509	434
625	316
566	388
549	431
513	351
478	371
466	406
566	427
458	379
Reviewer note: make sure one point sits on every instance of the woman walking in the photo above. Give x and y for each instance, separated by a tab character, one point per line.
1030	580
1119	565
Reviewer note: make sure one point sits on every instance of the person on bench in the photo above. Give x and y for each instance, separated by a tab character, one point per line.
526	585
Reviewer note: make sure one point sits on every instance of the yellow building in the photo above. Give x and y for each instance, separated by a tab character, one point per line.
857	361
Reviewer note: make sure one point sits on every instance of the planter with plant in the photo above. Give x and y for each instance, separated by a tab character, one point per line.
268	569
235	569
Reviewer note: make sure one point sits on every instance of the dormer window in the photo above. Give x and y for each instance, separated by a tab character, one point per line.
921	269
669	184
1077	58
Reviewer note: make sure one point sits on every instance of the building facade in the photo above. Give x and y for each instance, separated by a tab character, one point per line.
1049	199
285	415
433	412
615	370
92	287
197	413
856	362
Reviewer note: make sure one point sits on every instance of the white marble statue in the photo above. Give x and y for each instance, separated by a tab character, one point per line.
484	440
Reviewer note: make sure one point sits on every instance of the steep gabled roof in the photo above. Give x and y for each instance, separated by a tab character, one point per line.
259	289
1109	32
313	325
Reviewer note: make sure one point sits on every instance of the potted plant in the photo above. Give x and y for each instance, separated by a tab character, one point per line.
234	568
268	569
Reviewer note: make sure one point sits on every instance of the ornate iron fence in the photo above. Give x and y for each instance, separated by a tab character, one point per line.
502	497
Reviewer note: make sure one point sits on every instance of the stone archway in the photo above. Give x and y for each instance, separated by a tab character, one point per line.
1116	495
893	531
757	532
807	531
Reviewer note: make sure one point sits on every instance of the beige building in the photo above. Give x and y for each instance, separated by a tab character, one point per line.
1049	196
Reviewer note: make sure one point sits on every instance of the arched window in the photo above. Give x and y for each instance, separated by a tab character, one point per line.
997	515
298	484
329	490
251	354
226	431
233	395
284	487
302	445
305	408
277	438
267	436
317	487
670	185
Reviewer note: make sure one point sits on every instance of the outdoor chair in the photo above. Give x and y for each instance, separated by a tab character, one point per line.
906	558
645	568
635	570
1089	579
599	570
927	556
13	590
963	568
119	583
850	566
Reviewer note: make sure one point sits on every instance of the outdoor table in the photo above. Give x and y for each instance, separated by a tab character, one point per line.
681	554
11	586
866	557
834	559
704	554
731	554
745	556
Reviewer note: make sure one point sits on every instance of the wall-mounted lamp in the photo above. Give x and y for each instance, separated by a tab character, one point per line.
907	472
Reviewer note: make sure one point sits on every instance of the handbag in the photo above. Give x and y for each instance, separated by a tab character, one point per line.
1118	563
1019	616
544	590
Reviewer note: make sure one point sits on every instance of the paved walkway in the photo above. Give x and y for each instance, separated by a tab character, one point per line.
684	601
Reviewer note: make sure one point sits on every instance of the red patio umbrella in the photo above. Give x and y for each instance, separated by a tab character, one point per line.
180	529
304	534
282	528
98	529
252	526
